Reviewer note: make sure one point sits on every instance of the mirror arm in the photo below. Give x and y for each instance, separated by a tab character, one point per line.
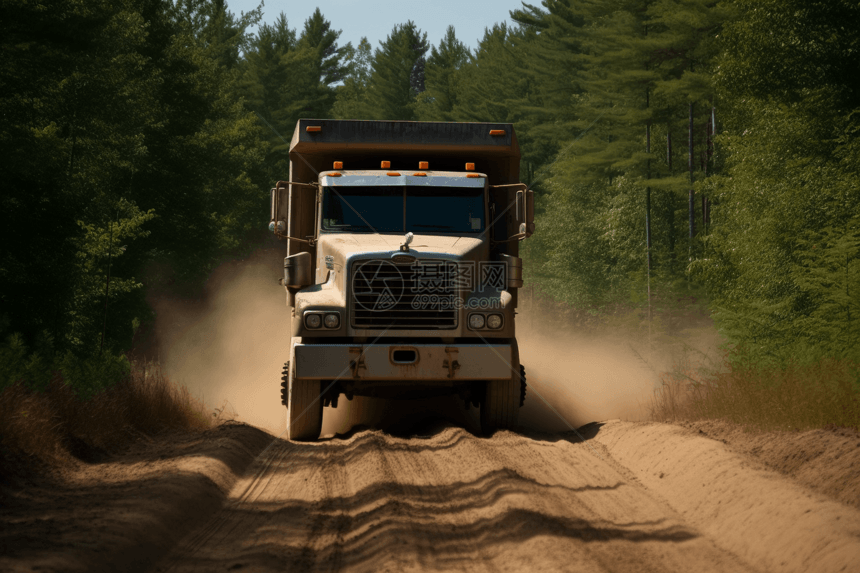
517	237
282	236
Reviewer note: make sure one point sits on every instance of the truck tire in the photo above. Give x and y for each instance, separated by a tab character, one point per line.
304	407
501	406
285	384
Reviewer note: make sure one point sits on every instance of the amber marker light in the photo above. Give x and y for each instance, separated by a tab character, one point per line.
385	165
333	174
338	165
470	167
497	132
313	129
472	175
423	165
419	174
393	174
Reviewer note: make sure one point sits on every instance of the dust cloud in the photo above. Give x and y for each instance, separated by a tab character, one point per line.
574	379
580	376
229	346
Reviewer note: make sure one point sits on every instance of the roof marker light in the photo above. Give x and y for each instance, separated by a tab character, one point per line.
423	165
393	174
338	165
497	132
385	165
419	174
472	175
333	174
470	167
313	129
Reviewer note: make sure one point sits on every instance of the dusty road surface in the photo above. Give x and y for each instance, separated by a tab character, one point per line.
450	501
447	500
433	496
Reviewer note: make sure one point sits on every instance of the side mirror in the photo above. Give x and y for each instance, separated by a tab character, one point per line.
298	270
520	223
525	212
280	209
530	213
520	209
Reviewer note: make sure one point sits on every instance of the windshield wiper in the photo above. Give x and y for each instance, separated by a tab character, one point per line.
347	228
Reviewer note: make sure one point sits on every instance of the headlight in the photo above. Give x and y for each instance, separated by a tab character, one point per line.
494	321
313	320
332	320
476	321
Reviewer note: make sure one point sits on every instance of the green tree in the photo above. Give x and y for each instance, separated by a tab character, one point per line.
604	78
278	84
492	78
329	60
437	101
781	259
397	74
350	97
222	34
122	138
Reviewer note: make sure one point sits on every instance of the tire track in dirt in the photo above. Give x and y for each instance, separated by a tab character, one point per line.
451	502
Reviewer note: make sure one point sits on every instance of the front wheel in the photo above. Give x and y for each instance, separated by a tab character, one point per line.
304	406
502	399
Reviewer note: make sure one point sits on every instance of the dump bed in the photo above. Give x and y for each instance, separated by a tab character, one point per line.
317	143
446	146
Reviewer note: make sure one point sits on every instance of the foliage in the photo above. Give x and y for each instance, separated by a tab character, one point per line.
125	143
781	264
437	101
396	74
85	376
791	397
349	102
286	76
140	137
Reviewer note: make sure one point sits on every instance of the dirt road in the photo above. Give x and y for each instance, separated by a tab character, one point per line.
433	496
447	500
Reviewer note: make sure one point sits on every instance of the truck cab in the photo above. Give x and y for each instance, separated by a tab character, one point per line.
402	271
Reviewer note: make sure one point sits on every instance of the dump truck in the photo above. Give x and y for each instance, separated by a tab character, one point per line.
402	267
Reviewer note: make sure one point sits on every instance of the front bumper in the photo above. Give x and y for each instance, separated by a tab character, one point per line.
432	362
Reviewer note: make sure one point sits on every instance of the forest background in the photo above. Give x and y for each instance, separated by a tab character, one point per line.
693	149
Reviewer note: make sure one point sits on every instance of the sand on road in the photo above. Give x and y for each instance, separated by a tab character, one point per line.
448	500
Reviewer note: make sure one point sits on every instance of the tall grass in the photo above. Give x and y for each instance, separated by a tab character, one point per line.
54	422
793	396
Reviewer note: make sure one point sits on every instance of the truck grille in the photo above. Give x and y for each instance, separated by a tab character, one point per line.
399	297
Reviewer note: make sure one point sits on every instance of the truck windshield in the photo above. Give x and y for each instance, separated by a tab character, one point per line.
402	209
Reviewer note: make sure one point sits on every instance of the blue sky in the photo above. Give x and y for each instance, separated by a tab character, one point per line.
376	18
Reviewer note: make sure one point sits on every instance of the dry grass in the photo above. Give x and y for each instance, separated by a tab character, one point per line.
793	397
54	425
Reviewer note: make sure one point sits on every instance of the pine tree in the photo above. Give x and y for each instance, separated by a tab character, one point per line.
600	79
397	74
350	97
491	78
329	60
280	84
438	100
782	252
551	63
222	34
118	130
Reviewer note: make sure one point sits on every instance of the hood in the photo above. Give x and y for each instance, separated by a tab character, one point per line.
335	250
